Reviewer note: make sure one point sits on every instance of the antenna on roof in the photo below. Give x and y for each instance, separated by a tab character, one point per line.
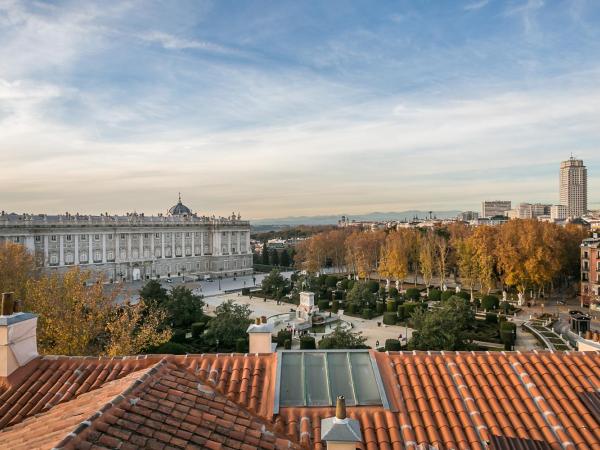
179	197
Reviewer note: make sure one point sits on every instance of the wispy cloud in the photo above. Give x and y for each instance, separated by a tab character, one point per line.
172	42
476	5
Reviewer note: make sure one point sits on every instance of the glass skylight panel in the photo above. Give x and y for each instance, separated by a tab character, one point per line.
292	380
317	378
339	376
315	371
365	386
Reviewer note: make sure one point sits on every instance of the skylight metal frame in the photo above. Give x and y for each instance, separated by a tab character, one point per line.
280	355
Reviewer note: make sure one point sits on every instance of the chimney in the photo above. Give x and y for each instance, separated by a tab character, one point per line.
341	432
18	343
259	335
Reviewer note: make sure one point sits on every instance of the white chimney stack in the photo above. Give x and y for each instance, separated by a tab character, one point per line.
18	343
259	335
341	432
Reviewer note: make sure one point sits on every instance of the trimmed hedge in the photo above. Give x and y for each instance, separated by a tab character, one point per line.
491	317
373	286
367	313
463	294
392	345
282	336
307	343
446	295
413	294
390	318
323	304
245	291
391	305
490	302
379	307
435	295
405	310
394	293
287	345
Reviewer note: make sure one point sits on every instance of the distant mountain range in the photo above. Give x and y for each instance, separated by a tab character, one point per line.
370	217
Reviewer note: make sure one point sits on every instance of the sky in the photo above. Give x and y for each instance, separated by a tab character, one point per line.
285	108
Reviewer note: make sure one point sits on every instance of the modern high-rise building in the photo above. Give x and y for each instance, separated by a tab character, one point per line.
573	187
495	208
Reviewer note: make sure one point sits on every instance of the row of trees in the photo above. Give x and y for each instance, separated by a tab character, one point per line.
273	257
522	254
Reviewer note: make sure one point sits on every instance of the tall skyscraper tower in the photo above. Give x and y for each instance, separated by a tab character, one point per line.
573	186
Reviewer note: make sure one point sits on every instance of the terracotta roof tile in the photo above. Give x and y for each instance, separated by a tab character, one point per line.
442	399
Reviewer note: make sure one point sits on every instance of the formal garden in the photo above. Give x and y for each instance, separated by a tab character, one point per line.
441	320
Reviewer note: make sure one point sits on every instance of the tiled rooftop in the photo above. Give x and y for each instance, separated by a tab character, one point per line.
464	400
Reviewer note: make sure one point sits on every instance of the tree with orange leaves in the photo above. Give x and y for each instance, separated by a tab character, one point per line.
393	262
17	266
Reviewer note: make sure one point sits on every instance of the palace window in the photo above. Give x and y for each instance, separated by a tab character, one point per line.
110	237
83	257
53	259
69	237
110	255
83	237
156	235
97	256
96	237
38	238
157	252
122	236
53	238
69	258
146	235
17	239
188	251
187	234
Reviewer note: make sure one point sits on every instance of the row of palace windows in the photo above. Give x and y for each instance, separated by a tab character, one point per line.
83	237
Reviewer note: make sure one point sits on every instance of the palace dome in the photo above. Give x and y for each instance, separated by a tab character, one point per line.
180	209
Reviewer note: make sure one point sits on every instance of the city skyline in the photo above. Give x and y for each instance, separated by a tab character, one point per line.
284	109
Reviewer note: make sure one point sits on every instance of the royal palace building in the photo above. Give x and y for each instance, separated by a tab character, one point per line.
135	246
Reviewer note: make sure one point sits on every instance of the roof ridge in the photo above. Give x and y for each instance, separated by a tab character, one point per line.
86	425
267	427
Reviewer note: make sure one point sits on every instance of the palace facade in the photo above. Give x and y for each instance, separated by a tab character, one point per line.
135	246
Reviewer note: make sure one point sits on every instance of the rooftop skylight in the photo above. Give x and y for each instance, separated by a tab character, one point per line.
316	378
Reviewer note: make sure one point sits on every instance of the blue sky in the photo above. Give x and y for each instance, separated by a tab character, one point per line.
293	108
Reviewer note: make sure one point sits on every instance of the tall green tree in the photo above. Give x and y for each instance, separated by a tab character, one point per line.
265	254
444	328
284	259
341	338
184	307
229	325
273	283
154	294
274	257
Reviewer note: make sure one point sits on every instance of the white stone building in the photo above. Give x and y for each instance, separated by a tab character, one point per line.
135	246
